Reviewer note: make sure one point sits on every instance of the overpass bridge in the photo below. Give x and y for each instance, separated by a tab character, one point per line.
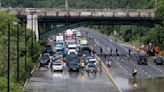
37	18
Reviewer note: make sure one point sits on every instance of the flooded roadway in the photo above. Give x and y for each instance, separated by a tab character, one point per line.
44	80
149	79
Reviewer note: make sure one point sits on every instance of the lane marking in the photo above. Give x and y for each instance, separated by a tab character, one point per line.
109	74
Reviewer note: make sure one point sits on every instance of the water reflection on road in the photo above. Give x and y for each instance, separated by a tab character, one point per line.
147	85
45	80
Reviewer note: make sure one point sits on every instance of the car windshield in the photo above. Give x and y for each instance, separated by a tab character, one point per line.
59	45
72	47
89	57
91	61
83	45
74	64
91	65
59	50
72	56
56	63
45	57
71	43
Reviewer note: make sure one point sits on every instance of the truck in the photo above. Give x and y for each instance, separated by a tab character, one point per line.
84	45
68	34
58	45
72	47
59	38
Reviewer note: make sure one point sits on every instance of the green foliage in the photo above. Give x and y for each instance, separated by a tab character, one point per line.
7	19
80	3
132	33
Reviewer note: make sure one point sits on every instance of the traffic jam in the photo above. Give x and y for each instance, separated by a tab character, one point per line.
69	51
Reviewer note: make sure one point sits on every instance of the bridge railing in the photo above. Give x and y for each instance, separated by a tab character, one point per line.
82	12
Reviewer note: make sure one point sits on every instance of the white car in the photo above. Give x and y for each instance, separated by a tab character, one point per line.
91	60
57	65
72	51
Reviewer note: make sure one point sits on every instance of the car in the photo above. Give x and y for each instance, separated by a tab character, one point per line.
159	61
73	66
57	65
44	60
48	49
91	67
71	57
87	58
142	60
91	60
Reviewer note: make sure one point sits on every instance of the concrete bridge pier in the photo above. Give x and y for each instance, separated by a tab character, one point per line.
32	23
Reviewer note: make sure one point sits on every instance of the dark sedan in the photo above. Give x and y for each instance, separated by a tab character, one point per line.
74	66
91	67
48	49
44	60
72	57
158	61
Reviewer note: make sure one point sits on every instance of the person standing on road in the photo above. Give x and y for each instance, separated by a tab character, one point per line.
129	52
111	51
117	52
101	50
134	72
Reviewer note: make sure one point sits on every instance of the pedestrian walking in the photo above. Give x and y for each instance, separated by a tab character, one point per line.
129	52
101	50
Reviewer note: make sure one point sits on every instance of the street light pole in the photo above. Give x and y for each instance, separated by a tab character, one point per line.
17	53
25	48
66	4
8	66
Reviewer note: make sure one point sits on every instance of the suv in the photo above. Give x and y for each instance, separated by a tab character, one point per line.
44	60
142	60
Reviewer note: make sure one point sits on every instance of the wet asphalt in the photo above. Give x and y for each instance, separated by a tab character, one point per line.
149	77
44	80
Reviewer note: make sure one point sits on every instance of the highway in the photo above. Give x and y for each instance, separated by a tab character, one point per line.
45	80
148	79
121	68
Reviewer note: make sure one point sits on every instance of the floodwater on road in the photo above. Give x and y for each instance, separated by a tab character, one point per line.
119	70
44	80
146	85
